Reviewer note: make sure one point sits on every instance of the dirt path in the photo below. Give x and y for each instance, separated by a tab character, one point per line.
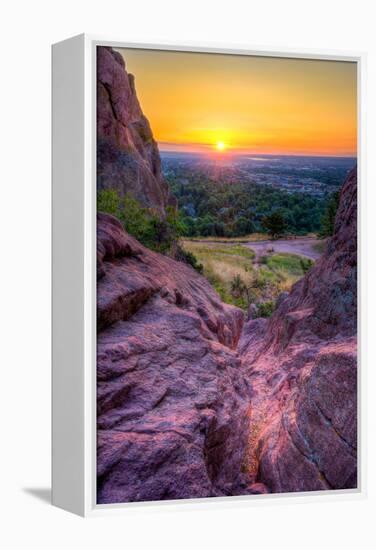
303	247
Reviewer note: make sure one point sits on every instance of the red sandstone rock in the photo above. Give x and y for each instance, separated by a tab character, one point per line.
127	154
179	415
172	401
302	368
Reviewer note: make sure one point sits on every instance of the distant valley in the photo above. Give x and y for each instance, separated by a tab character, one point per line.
230	195
316	176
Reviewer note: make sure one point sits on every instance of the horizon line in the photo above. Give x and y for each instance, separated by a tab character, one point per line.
229	153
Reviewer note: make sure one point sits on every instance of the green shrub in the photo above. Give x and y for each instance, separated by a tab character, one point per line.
329	215
138	221
275	224
142	223
238	286
189	258
108	201
306	264
266	309
289	263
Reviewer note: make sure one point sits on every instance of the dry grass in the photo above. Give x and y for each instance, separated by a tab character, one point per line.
224	261
227	270
245	239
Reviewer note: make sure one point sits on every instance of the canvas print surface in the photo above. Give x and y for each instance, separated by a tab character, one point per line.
226	275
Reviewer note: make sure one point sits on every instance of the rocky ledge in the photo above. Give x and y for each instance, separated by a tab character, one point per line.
302	369
187	410
172	401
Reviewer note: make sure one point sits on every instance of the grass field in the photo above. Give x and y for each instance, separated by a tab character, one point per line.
227	240
230	268
245	239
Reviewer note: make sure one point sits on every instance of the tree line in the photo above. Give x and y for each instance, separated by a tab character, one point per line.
220	209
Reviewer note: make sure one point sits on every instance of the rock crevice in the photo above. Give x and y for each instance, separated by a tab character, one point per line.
172	401
302	367
191	401
184	411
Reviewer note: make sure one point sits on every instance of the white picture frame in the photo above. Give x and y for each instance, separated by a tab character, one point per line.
74	276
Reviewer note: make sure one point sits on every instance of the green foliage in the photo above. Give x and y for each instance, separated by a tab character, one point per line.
306	264
252	293
238	286
108	201
234	250
188	257
275	224
243	226
143	223
265	309
212	208
329	215
139	222
291	263
239	281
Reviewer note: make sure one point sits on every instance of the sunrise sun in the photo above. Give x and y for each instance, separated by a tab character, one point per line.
220	146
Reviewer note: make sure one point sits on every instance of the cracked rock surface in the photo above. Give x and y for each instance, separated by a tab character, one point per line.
302	368
192	402
127	154
172	401
187	410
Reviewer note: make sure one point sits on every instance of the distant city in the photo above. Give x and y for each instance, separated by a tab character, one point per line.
315	176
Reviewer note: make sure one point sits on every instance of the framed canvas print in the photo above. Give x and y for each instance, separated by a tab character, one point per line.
205	287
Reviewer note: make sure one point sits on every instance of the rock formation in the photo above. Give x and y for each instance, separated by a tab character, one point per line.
183	411
302	368
184	408
127	155
172	402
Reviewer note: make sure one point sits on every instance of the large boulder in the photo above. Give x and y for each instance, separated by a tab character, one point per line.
302	369
127	154
172	401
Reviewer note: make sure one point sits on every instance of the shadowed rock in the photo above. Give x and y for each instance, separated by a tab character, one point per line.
302	367
183	411
127	154
172	402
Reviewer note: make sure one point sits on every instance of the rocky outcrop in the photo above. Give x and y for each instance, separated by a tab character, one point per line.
189	402
185	410
302	369
172	401
127	154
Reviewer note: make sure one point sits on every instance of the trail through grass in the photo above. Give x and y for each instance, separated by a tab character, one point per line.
232	271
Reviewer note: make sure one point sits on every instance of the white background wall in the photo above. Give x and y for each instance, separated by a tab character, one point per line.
27	30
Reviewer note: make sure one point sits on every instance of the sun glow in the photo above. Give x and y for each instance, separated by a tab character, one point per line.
247	104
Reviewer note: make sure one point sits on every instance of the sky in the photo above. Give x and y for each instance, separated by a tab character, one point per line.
235	103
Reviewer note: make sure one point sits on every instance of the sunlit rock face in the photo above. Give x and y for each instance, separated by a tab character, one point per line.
172	401
127	154
191	402
186	409
302	369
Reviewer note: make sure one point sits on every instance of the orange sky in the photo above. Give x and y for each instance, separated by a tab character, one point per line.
256	104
